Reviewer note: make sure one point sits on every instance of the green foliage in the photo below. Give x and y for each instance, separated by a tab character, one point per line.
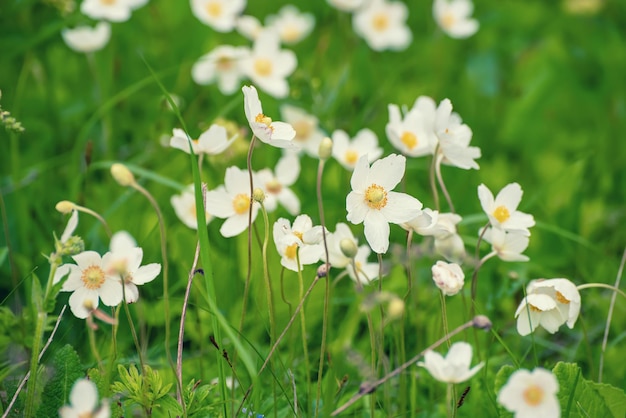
65	369
196	397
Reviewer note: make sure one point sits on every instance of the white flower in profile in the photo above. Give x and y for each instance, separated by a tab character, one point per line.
442	227
502	211
291	25
337	242
383	25
84	402
249	26
424	224
373	202
508	246
531	394
549	304
366	272
184	205
220	15
221	65
308	133
409	134
448	277
299	244
111	10
346	5
278	134
348	151
268	66
211	142
87	39
232	202
453	17
276	185
454	138
455	367
90	281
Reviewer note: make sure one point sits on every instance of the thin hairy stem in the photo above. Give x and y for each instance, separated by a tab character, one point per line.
478	265
442	184
249	269
433	183
266	276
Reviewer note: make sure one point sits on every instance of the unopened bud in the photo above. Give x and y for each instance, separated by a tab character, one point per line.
482	322
122	174
258	195
348	247
396	308
65	206
325	150
322	271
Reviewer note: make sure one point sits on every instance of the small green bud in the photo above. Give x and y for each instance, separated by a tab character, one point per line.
325	150
122	174
348	247
258	195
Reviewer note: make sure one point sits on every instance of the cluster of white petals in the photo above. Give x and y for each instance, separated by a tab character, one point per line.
276	184
222	66
84	402
184	205
309	135
348	151
453	17
291	25
87	39
448	277
382	24
531	394
455	367
211	142
112	10
300	244
220	15
442	227
277	134
357	265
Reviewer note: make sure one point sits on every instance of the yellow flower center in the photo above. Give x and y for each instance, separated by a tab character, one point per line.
448	20
534	308
380	22
291	33
93	277
297	234
376	197
263	67
533	395
265	120
291	251
224	63
214	8
241	203
303	129
108	2
562	299
501	213
351	156
273	186
409	139
192	212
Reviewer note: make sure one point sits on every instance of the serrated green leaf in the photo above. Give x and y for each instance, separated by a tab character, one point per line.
66	369
169	406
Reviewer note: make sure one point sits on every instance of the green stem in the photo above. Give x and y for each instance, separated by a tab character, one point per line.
34	362
305	349
603	286
266	277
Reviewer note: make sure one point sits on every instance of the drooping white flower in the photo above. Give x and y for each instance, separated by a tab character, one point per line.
299	244
453	17
220	15
268	65
454	137
84	402
508	246
221	65
455	367
308	133
211	142
373	202
184	205
249	26
409	134
232	202
87	39
549	304
531	394
111	10
291	25
448	277
348	151
502	211
346	5
383	25
442	227
276	185
278	134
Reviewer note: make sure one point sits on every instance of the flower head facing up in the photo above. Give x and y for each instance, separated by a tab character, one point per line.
184	205
87	39
502	211
409	134
373	202
508	246
308	133
383	25
453	17
348	151
299	244
220	15
211	142
278	134
291	25
276	184
531	394
455	367
221	65
84	402
448	277
549	304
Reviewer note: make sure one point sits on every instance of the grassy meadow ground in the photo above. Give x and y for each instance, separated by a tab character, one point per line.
542	89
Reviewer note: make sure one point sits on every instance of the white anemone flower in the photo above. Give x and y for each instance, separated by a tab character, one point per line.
348	151
299	244
337	242
291	25
366	272
278	134
383	25
276	185
249	26
531	394
111	10
455	367
549	304
373	202
409	134
72	223
184	205
502	211
508	246
221	65
453	17
346	5
268	66
308	133
232	202
448	277
87	39
442	227
213	141
220	15
454	137
84	402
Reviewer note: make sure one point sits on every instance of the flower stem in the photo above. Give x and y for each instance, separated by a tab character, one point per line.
442	184
246	289
305	349
266	276
479	263
433	184
444	315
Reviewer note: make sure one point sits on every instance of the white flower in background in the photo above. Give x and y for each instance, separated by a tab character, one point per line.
448	277
220	15
372	202
308	133
502	211
135	4
278	134
454	138
291	25
84	402
348	151
299	243
184	205
90	281
424	223
549	304
409	134
87	39
453	17
346	5
531	394
366	272
276	185
508	246
383	25
221	65
249	27
233	202
125	263
455	367
337	241
211	142
112	10
442	227
268	66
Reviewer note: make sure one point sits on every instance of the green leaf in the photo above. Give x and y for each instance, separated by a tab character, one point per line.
169	406
36	296
66	369
502	377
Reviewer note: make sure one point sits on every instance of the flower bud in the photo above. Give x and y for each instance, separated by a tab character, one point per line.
122	174
395	308
448	277
325	149
348	247
65	206
258	195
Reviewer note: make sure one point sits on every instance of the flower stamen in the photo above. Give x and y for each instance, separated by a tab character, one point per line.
376	197
93	277
409	139
241	203
533	395
501	213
